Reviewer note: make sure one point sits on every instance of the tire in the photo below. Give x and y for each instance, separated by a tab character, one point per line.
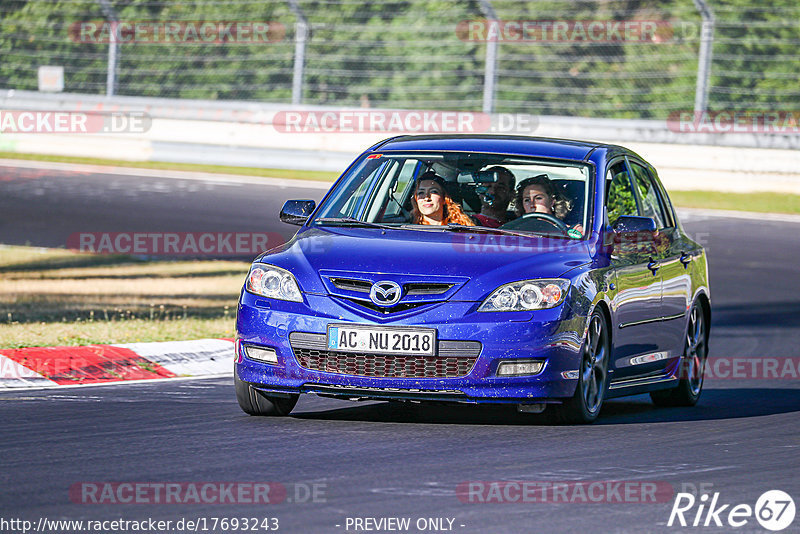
585	405
254	402
692	366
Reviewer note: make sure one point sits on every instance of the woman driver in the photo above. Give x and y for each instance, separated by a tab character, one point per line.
433	205
539	195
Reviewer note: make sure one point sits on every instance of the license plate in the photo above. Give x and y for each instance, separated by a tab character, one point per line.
381	340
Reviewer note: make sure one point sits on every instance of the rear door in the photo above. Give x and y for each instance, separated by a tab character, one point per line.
674	257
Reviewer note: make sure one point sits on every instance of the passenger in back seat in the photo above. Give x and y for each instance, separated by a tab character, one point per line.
495	198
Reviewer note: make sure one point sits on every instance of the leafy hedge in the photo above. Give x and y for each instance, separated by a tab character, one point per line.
410	54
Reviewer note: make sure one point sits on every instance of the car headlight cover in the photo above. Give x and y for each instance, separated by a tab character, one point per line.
526	295
273	282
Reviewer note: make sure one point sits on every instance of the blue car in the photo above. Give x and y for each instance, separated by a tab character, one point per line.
543	273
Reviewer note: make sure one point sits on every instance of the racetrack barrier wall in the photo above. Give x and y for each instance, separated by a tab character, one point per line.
256	135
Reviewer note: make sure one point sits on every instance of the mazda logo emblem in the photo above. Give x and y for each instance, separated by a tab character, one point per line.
385	293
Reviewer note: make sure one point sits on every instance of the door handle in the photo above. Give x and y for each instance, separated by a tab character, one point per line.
654	266
686	259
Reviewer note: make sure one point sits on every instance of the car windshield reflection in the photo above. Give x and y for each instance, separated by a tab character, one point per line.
486	192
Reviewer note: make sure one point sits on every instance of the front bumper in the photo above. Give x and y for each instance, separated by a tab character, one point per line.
552	336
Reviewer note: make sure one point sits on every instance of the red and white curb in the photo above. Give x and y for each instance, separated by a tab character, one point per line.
38	367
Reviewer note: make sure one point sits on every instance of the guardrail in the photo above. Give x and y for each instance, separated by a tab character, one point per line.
255	135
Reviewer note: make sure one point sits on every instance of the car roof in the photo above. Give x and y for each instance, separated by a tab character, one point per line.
497	144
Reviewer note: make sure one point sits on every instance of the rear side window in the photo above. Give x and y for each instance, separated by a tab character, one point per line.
648	195
620	195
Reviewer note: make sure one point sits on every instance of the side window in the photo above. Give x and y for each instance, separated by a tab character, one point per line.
355	204
400	189
666	203
620	199
651	203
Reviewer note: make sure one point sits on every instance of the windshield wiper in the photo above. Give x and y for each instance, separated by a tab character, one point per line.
352	221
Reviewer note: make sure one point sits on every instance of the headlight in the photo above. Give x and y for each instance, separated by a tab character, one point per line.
526	295
273	282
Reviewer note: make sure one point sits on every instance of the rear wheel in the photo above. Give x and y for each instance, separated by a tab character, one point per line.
693	365
255	402
585	405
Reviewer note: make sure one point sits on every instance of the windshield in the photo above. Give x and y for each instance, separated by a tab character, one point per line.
484	191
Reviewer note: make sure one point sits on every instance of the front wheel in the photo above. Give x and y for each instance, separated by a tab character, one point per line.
254	402
585	405
692	366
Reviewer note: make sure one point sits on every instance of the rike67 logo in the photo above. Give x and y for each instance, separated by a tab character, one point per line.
774	510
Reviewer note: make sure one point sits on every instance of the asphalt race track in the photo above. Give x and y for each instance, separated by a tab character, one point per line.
385	460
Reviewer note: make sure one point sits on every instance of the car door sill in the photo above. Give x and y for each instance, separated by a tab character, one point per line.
643	381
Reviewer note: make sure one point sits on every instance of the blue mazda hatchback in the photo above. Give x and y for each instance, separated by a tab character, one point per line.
542	273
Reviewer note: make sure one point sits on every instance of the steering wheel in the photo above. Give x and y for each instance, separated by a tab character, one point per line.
520	223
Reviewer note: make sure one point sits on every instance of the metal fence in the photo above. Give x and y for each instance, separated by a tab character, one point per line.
610	58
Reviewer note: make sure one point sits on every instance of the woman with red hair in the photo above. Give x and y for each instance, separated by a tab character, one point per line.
433	205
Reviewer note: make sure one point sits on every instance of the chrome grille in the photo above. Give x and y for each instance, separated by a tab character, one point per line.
419	288
349	284
411	288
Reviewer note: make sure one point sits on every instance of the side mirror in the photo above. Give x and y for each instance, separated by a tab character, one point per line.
297	211
629	224
634	235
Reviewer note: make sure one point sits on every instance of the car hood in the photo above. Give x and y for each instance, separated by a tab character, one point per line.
476	263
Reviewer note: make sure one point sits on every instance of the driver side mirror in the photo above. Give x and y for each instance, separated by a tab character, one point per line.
297	212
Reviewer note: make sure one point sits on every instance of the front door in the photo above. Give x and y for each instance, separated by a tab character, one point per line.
636	305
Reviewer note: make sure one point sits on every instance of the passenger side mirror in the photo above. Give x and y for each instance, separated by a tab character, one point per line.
297	212
630	224
634	234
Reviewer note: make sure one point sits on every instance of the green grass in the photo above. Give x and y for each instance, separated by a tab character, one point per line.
757	202
14	258
192	167
60	297
76	333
